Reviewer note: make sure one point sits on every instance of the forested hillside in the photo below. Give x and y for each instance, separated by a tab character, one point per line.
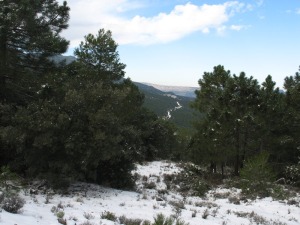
173	108
83	121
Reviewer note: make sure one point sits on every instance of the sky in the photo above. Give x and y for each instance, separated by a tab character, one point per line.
173	42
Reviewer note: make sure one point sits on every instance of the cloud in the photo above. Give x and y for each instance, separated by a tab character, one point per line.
88	16
298	11
236	27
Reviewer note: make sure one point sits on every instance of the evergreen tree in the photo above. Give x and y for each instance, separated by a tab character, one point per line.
88	123
229	104
100	54
291	117
271	126
29	33
209	143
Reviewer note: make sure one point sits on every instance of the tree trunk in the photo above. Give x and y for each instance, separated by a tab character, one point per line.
222	169
244	149
3	60
237	153
213	167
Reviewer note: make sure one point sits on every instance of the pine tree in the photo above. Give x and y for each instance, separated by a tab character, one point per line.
100	54
229	104
29	33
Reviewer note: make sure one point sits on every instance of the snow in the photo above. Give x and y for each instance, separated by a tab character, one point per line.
175	108
88	201
171	96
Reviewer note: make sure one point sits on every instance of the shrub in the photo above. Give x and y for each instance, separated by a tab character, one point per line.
126	221
88	216
205	214
200	188
150	185
234	199
256	176
60	214
6	177
162	220
292	174
180	222
13	204
146	222
87	223
116	173
108	216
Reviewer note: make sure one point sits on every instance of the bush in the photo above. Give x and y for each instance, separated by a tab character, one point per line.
108	216
257	176
13	204
60	214
200	188
6	177
126	221
162	220
88	216
87	223
292	174
116	173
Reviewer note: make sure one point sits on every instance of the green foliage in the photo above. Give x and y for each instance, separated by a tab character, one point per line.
234	125
126	221
257	176
108	216
292	173
88	126
200	188
23	52
60	214
229	104
100	54
192	180
159	102
160	219
7	181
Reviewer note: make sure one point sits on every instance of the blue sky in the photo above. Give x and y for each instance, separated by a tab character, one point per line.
173	42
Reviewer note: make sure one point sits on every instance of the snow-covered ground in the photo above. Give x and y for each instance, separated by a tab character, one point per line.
87	202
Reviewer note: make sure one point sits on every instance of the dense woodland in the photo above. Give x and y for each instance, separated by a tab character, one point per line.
85	121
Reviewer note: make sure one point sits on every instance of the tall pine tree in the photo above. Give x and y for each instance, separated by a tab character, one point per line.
29	33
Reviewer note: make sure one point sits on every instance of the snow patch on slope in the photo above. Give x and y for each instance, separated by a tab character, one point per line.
146	203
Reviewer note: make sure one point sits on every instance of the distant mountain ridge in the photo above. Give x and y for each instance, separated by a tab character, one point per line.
177	90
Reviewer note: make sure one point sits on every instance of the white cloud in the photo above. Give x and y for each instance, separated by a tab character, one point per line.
298	11
236	27
88	16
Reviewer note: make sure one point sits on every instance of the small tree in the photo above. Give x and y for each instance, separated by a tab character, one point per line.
6	179
257	175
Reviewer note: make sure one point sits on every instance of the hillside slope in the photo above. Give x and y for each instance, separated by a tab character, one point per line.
177	90
168	105
156	192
